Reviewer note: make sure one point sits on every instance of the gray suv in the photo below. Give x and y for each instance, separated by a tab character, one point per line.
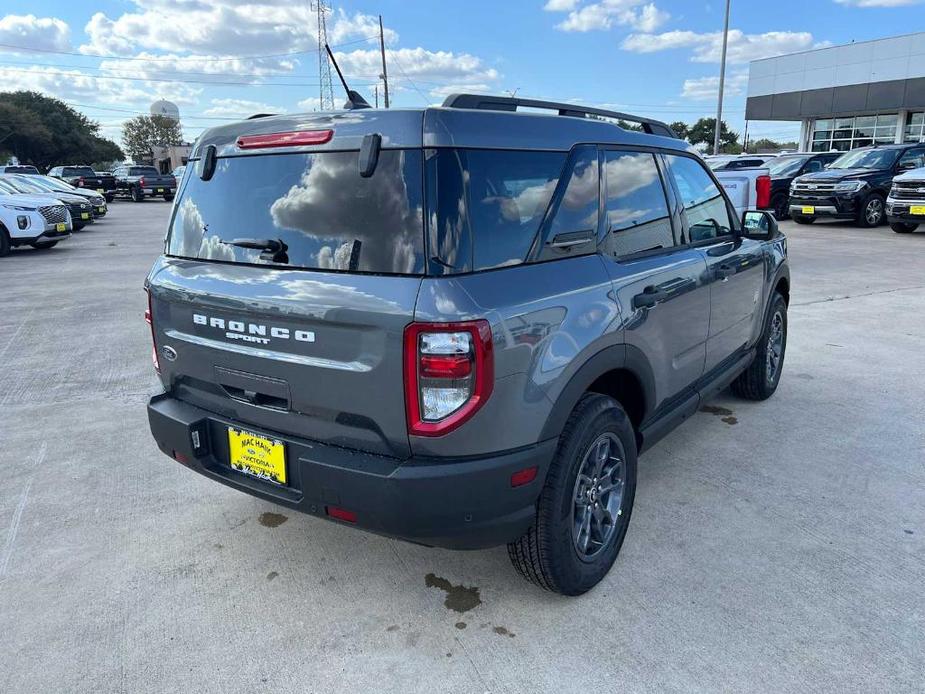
457	326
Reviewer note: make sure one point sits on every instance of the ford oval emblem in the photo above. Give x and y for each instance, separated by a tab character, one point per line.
170	354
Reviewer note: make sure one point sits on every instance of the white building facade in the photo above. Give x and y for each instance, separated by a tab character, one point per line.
845	96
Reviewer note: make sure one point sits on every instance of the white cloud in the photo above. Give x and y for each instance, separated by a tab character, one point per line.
202	67
879	3
603	15
560	5
312	103
707	47
239	108
708	87
29	31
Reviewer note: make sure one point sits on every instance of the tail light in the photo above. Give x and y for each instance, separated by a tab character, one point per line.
149	319
141	181
449	374
80	182
763	191
287	139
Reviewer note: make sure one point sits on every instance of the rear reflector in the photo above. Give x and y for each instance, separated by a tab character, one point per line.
341	514
525	476
149	319
290	139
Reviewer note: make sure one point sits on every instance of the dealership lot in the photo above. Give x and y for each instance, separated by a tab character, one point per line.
776	546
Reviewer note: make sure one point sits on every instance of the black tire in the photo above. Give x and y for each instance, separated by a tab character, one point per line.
800	219
548	554
138	195
168	197
5	244
781	206
110	197
903	228
43	245
871	212
760	379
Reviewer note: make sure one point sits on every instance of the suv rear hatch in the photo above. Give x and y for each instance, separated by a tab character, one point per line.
288	279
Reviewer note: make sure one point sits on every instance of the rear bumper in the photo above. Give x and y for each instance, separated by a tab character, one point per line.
464	503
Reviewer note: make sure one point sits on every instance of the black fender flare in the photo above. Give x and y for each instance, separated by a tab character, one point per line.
623	356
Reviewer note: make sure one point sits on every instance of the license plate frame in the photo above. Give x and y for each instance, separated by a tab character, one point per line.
257	455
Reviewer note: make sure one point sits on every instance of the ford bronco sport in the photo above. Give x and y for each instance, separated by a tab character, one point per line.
458	325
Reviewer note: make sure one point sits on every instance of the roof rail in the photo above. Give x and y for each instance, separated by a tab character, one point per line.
512	103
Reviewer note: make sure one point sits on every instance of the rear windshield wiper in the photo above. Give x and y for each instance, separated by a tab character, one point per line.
274	250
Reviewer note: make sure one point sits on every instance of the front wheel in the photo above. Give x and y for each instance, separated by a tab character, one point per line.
871	212
43	245
800	219
903	228
781	206
137	194
760	379
5	244
584	508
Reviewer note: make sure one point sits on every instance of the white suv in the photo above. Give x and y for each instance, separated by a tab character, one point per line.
34	221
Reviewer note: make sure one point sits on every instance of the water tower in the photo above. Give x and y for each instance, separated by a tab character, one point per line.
168	109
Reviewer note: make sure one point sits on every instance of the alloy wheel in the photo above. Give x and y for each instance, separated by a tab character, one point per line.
597	502
775	346
874	211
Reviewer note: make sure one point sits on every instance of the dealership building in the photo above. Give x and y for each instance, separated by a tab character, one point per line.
845	96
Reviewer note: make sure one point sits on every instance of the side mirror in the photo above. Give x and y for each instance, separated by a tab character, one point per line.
906	165
759	225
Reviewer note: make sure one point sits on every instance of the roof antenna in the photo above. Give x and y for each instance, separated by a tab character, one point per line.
354	100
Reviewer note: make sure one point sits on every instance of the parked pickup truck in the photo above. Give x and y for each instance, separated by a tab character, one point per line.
137	182
748	189
85	177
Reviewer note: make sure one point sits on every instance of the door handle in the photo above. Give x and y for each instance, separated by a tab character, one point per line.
724	272
649	297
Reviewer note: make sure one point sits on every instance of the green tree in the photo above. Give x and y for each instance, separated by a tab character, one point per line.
680	128
141	133
702	132
43	131
766	144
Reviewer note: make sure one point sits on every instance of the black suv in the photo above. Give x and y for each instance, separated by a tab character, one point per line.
785	168
459	325
855	186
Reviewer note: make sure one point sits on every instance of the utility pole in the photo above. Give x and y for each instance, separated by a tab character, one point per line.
385	73
745	146
376	94
722	82
326	83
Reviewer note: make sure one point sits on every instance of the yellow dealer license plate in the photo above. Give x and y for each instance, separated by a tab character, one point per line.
257	456
99	190
809	209
917	209
85	215
60	227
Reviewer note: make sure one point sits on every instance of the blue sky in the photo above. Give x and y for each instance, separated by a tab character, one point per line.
225	59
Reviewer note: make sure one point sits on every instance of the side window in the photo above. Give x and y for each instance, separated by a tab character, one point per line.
913	159
813	166
635	207
704	204
576	207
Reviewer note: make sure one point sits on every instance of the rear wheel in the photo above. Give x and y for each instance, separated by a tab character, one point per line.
42	245
903	228
800	219
168	197
760	379
110	197
871	212
584	508
5	244
781	205
137	194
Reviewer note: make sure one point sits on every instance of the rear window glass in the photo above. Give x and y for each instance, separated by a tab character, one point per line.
78	171
143	171
485	206
317	205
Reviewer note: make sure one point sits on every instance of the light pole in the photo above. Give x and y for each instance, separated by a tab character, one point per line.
722	82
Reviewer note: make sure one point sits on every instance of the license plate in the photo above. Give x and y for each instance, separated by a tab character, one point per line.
917	209
99	190
85	215
808	209
257	455
101	209
60	227
160	190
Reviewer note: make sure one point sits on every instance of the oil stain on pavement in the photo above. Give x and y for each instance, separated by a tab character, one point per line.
723	412
458	598
272	520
